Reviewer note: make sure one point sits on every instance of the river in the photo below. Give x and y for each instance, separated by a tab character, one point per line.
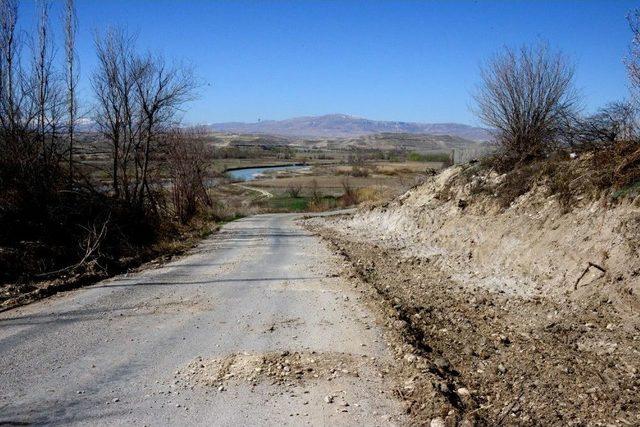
248	174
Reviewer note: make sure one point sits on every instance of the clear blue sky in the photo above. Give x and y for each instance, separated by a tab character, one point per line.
400	60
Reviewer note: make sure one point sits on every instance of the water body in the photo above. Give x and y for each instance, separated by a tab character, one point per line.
248	174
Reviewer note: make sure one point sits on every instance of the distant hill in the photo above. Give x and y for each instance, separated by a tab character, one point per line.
344	126
406	141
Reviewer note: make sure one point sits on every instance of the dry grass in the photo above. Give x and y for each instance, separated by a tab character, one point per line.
591	174
322	205
394	168
370	194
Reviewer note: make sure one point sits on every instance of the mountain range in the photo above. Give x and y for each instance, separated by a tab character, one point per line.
345	126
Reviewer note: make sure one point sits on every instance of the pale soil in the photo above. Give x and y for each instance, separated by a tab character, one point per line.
493	296
263	193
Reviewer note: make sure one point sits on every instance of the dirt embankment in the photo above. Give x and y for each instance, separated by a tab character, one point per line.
521	315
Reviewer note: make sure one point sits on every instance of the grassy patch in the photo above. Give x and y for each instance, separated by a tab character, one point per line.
431	157
287	203
629	190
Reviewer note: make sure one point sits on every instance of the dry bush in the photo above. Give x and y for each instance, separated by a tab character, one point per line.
568	180
394	171
316	194
614	123
624	161
187	160
564	180
74	231
525	96
562	177
388	171
369	194
515	184
318	202
294	190
321	205
229	210
359	171
349	196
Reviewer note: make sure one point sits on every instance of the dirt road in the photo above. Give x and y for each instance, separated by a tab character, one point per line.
253	328
263	193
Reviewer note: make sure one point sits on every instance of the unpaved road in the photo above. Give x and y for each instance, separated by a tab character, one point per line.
263	193
118	352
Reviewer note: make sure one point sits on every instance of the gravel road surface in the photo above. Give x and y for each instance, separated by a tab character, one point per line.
184	344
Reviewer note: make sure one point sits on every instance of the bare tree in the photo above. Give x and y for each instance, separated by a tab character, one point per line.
71	78
316	194
16	86
18	109
632	60
42	66
162	90
48	89
188	159
138	99
113	88
8	20
56	115
525	95
349	196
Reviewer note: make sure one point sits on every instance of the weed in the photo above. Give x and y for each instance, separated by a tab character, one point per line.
349	196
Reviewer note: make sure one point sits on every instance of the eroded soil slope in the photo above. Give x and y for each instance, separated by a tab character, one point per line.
520	315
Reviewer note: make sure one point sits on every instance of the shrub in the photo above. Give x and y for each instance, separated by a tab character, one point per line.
187	159
316	195
349	196
294	190
324	204
526	96
359	171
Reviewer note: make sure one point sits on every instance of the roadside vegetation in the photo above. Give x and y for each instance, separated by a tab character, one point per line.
528	97
64	216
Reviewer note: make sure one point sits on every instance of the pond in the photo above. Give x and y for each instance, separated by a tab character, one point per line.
247	174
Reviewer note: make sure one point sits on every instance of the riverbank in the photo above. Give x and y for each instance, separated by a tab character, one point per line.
254	172
265	166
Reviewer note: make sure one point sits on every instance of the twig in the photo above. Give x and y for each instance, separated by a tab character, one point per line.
516	400
591	264
89	250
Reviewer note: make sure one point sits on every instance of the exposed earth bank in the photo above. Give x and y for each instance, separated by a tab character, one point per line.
526	313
